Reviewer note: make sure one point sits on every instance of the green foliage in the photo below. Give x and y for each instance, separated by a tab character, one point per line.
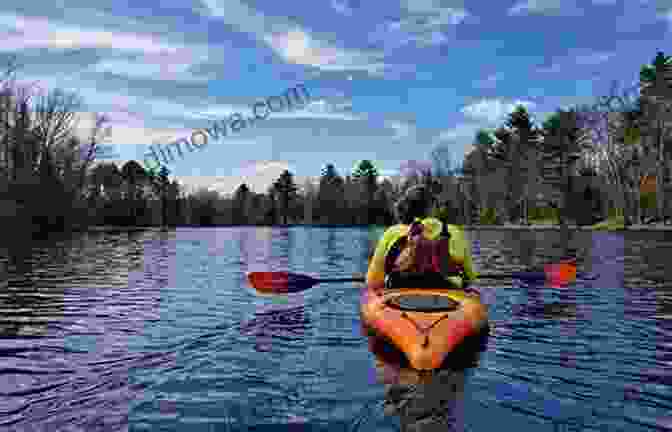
484	138
330	196
287	192
365	171
615	213
648	73
521	124
543	214
647	200
442	213
488	216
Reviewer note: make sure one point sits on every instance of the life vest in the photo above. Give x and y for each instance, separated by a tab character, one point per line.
425	248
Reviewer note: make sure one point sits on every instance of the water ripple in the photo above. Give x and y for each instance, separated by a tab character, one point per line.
159	331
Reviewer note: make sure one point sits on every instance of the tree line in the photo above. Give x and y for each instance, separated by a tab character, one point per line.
595	156
581	165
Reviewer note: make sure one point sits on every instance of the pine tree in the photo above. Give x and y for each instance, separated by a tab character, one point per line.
287	192
563	143
366	176
656	92
331	195
241	200
524	164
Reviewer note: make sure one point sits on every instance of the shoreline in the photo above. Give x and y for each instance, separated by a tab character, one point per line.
640	227
652	227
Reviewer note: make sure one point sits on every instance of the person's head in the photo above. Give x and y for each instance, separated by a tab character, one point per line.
417	202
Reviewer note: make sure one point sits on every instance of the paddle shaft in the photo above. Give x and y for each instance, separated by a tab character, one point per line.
480	276
351	279
499	275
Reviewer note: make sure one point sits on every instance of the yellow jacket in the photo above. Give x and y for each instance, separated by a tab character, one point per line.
460	251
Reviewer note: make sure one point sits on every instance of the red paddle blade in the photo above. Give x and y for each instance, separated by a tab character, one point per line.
561	274
280	282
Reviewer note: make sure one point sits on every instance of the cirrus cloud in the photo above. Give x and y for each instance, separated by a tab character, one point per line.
493	110
298	47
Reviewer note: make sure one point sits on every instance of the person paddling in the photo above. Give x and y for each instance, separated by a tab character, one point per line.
420	251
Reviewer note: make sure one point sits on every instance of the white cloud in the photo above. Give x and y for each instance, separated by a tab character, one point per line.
493	110
421	6
402	130
460	136
157	59
555	7
239	15
464	130
257	175
423	29
290	42
118	104
299	47
173	66
41	33
316	109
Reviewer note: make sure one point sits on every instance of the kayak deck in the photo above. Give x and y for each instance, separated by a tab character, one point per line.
428	335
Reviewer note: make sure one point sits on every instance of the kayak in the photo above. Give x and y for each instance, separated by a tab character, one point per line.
424	324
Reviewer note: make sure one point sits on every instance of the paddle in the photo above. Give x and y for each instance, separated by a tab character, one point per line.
286	282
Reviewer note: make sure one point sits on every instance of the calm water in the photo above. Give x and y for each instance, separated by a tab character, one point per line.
160	331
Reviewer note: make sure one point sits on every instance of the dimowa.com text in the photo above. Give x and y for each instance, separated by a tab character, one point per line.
235	123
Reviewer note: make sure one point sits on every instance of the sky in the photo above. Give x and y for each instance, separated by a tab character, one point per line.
388	80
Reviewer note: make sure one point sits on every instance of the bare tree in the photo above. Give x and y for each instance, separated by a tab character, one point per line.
616	149
42	160
656	90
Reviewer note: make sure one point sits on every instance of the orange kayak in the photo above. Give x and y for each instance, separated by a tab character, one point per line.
426	325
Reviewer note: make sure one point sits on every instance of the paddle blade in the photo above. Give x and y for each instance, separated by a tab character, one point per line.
280	282
560	275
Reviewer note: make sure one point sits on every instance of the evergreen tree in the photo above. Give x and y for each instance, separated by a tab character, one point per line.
330	196
563	144
160	183
271	213
656	95
241	200
286	190
134	176
524	158
478	164
503	153
366	176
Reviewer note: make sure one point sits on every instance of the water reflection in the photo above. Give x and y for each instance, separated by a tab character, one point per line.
332	254
111	331
74	308
278	318
647	320
288	323
426	401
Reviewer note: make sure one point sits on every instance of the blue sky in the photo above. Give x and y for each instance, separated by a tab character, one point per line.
389	80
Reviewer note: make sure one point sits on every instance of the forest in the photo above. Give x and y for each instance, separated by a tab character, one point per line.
607	161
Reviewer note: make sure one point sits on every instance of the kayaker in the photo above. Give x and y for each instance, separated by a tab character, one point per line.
420	251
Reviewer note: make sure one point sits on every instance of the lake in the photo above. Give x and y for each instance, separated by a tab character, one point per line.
160	331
